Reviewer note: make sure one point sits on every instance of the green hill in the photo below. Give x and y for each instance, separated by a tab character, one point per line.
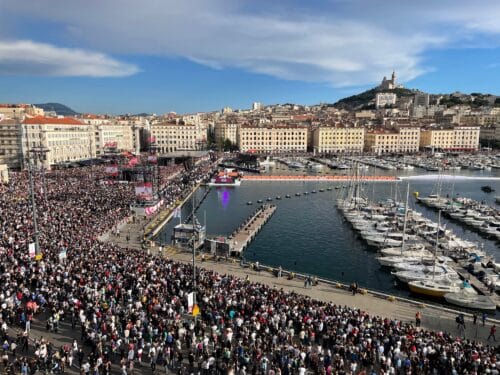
366	99
58	108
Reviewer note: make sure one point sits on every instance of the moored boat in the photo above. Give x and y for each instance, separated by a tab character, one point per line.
470	301
433	288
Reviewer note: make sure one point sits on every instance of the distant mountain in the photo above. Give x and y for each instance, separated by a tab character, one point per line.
366	100
58	108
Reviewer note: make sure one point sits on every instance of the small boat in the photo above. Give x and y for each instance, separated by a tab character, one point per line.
497	200
287	196
297	194
305	193
337	187
260	201
329	189
470	300
314	191
433	288
269	199
321	190
249	203
487	189
278	197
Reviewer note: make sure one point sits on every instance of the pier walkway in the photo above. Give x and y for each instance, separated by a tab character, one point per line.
475	282
436	318
247	232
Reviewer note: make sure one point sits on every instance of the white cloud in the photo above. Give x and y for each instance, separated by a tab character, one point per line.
31	58
343	43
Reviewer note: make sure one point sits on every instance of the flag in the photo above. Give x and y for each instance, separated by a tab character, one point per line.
190	298
196	310
144	191
133	161
112	170
31	250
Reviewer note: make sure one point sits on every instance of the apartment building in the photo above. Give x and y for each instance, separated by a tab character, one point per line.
459	138
338	139
10	143
116	136
19	111
277	138
491	134
383	141
383	99
64	139
171	136
226	130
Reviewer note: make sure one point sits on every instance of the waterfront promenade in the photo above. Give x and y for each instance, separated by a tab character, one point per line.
434	318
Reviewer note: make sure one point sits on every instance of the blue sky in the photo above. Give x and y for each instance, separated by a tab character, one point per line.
119	56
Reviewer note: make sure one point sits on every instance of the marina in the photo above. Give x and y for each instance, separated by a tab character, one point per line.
317	241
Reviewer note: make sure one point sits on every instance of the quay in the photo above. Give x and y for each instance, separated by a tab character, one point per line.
435	317
475	282
320	178
245	234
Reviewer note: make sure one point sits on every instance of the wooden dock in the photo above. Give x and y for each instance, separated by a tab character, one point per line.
249	229
475	282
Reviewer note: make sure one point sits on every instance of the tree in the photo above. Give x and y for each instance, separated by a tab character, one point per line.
227	145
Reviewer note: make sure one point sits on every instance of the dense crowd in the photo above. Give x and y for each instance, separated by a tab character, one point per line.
131	307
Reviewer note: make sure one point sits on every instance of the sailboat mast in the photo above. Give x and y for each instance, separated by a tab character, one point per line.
406	217
436	247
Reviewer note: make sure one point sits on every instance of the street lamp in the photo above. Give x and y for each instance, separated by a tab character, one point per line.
35	153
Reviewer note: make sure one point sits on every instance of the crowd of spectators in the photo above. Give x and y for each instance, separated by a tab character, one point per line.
130	307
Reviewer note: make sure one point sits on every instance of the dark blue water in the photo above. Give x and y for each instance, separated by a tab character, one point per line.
307	233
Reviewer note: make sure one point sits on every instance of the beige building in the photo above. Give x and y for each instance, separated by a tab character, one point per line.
338	139
20	111
383	141
277	138
224	130
172	137
64	139
10	143
4	174
459	138
491	134
113	136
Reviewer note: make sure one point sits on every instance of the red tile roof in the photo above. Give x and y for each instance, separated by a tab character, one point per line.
53	120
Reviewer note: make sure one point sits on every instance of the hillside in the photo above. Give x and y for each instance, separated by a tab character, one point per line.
58	108
366	99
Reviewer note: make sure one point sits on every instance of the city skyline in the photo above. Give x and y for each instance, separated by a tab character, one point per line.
155	57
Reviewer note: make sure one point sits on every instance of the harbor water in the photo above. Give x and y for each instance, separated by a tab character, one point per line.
307	234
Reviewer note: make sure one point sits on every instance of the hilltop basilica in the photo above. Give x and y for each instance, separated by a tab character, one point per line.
389	84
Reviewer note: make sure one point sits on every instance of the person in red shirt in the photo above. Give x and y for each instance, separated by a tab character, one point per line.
493	330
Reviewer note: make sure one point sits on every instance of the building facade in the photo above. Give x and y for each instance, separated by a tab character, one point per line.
277	138
491	134
459	138
224	130
64	139
115	136
383	99
10	143
19	111
337	139
383	141
171	137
